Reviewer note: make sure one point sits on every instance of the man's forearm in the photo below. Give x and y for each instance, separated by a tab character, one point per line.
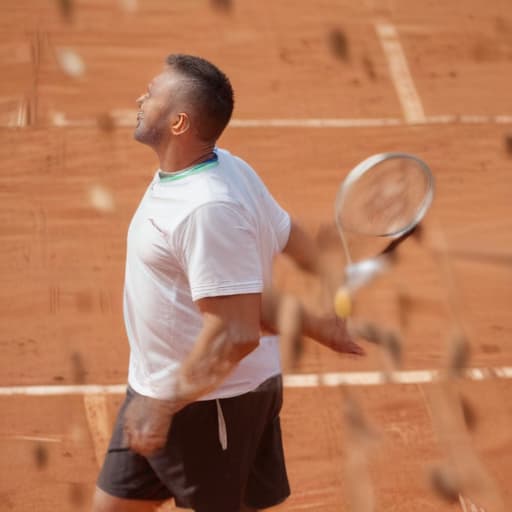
215	355
272	311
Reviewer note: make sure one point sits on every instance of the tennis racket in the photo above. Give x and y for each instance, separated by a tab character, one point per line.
385	196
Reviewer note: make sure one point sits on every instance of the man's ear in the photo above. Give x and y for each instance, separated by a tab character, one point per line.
180	124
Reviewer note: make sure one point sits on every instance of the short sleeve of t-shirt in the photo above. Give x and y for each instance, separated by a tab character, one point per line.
278	217
218	249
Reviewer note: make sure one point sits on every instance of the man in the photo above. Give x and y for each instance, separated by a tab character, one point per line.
200	422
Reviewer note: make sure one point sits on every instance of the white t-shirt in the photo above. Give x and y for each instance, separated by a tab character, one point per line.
205	232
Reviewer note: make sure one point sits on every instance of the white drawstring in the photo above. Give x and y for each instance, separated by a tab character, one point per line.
223	433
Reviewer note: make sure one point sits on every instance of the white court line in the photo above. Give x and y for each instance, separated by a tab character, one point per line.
39	439
465	503
298	380
14	112
85	389
400	74
462	503
96	413
126	119
315	123
504	373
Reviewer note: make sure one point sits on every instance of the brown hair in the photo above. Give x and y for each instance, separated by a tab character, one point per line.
209	92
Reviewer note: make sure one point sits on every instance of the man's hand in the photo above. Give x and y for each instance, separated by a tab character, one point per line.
146	424
285	315
331	331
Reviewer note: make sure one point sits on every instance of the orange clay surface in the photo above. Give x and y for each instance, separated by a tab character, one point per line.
62	257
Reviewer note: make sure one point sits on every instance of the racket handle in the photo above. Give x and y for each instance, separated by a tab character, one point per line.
343	302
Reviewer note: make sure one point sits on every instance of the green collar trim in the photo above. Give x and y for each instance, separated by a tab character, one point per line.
208	164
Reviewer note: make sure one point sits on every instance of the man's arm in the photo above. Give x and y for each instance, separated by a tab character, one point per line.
302	249
231	328
326	329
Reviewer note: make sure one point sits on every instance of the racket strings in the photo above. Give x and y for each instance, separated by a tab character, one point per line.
386	200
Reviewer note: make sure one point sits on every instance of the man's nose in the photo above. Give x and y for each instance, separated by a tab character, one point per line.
140	100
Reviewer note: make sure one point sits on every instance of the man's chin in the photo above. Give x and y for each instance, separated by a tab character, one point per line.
140	136
149	137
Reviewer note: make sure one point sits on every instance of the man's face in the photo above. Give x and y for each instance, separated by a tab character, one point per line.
156	108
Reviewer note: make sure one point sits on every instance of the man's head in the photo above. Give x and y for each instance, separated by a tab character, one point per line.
191	96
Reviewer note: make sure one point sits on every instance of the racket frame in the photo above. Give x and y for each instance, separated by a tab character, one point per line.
362	168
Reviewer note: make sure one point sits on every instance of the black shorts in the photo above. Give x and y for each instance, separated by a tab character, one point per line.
195	469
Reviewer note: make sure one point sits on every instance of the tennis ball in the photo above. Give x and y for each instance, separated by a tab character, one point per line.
342	302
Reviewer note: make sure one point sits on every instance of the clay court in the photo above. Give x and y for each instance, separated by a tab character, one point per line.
319	86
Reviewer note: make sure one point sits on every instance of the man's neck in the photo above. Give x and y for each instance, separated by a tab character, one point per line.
177	158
